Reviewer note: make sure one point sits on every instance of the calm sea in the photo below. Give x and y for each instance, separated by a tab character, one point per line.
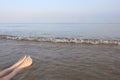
63	30
107	31
62	61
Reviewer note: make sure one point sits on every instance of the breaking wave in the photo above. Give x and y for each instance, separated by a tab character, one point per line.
62	40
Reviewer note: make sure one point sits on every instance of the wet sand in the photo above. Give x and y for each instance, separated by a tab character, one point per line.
62	61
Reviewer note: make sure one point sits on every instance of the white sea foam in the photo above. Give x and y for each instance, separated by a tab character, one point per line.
62	40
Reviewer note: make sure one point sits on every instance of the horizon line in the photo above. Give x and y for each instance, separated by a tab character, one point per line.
57	23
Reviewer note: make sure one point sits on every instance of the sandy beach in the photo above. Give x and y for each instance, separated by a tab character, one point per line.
62	61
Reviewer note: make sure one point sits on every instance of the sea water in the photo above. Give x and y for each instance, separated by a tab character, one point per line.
63	32
62	61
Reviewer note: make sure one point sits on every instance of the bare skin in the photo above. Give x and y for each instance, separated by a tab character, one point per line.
10	72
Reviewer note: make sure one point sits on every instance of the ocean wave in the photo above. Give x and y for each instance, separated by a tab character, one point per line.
62	40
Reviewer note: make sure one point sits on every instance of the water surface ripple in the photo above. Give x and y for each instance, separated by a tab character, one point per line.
62	61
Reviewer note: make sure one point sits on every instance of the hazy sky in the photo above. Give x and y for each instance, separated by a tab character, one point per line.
69	11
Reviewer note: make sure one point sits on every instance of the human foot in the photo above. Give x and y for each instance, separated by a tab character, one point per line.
18	63
26	63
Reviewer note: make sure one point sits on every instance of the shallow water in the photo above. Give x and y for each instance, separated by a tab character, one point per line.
62	61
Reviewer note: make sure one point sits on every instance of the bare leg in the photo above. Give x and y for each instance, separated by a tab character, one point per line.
4	72
10	75
27	62
18	63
